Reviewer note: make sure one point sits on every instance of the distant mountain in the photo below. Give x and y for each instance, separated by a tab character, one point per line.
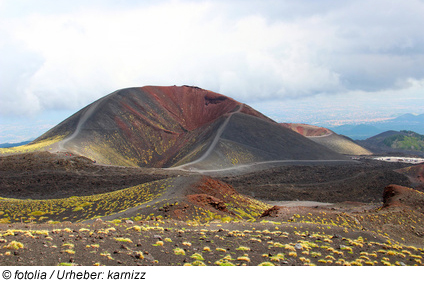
328	138
408	122
185	127
8	145
356	132
409	118
395	141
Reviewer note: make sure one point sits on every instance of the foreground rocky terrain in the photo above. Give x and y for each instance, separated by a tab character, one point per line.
181	218
177	243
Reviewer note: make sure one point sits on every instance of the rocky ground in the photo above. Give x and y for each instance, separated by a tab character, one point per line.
45	175
363	181
174	243
190	219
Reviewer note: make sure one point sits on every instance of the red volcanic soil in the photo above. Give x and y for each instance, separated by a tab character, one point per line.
215	188
307	130
415	174
194	107
399	196
272	212
179	102
206	194
328	138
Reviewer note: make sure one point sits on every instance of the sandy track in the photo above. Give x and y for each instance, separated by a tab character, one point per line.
83	119
213	144
251	167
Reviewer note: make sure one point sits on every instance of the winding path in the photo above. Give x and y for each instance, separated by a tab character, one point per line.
83	118
213	144
279	162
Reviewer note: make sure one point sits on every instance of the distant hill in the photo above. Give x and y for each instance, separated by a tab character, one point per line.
395	141
328	138
8	145
408	122
414	120
185	127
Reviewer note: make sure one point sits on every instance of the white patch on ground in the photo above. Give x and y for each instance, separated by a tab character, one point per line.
400	159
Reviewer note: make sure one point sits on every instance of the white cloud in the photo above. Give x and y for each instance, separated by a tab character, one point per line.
64	57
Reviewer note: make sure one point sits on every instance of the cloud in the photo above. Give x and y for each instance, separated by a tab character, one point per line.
18	66
64	57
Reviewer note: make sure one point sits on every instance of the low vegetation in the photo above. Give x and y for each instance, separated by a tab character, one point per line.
206	222
406	140
228	244
31	147
81	208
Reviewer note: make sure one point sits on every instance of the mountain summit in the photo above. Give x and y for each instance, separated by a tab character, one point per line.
184	127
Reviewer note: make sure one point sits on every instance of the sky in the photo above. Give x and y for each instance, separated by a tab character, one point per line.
296	61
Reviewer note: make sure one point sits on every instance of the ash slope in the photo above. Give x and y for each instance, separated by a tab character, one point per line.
328	138
183	127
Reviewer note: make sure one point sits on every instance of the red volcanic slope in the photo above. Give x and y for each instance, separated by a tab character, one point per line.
328	138
398	196
194	107
307	130
148	126
416	174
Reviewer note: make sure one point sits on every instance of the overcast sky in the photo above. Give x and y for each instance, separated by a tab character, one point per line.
58	56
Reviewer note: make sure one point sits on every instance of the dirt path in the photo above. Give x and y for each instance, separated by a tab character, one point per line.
242	169
213	144
323	136
84	117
